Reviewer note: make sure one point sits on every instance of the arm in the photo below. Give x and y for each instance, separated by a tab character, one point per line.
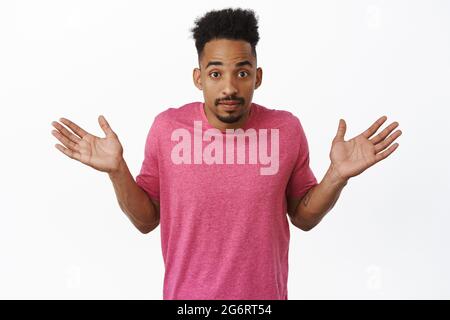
142	211
305	213
106	155
348	159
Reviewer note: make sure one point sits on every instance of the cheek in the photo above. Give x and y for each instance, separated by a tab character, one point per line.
211	94
210	86
247	85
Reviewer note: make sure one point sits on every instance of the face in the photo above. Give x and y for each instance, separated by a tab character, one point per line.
227	74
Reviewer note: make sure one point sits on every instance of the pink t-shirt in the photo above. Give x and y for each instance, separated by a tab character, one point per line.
223	210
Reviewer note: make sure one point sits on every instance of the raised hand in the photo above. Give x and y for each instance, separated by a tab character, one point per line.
103	154
352	157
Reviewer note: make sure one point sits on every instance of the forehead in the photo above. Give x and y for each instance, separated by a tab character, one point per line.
227	51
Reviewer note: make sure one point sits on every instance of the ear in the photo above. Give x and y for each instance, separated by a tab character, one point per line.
196	77
258	81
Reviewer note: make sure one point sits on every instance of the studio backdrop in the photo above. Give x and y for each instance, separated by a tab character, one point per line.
62	233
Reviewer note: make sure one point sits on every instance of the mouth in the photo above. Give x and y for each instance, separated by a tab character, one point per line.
230	105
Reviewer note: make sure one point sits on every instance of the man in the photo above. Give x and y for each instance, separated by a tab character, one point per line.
222	176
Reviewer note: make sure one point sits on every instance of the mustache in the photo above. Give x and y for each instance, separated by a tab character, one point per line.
241	100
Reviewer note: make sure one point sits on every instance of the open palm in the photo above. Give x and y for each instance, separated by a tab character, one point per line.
352	157
103	154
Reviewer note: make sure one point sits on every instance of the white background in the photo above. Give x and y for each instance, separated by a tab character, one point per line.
62	234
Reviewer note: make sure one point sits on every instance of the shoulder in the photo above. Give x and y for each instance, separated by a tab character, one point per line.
172	115
174	112
278	118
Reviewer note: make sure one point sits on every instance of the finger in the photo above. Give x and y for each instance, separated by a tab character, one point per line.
65	141
105	126
66	132
383	134
374	127
386	153
75	128
71	154
341	130
387	142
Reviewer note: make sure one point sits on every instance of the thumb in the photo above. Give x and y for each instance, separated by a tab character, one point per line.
341	130
105	126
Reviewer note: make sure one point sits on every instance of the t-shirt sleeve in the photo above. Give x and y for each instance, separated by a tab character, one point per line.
148	177
302	177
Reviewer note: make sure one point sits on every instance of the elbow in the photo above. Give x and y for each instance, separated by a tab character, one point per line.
306	227
144	229
307	222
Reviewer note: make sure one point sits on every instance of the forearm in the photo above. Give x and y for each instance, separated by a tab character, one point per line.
133	200
319	200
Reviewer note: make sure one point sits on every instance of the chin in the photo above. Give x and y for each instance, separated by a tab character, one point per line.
229	118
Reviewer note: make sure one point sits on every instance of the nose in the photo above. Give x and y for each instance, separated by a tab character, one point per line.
229	89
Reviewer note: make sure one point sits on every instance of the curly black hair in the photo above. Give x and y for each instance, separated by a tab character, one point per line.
232	24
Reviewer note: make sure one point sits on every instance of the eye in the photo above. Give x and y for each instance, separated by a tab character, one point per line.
243	72
214	72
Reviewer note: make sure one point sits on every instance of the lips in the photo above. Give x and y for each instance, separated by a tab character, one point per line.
230	102
230	106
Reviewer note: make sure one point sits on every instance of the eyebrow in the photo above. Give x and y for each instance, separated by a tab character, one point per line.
239	64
